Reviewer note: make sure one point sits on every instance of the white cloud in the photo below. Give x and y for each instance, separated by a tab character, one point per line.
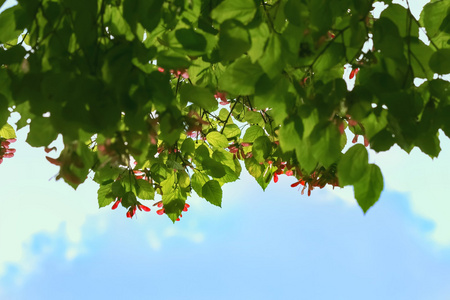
32	203
425	180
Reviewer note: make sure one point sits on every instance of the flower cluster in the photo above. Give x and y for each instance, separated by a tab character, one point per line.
132	210
162	211
238	150
5	151
177	73
316	180
223	98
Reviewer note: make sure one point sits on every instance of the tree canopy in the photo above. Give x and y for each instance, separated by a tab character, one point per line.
170	97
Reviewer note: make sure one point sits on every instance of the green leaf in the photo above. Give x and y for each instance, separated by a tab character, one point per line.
146	190
183	179
432	16
117	189
198	180
382	141
353	165
234	40
240	77
173	204
252	133
105	196
199	96
8	30
212	192
213	168
7	132
290	134
241	10
262	148
41	132
188	147
217	140
440	61
231	131
191	39
369	188
330	58
253	167
386	38
273	59
326	144
4	112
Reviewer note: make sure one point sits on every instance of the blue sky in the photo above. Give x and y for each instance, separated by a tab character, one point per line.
56	244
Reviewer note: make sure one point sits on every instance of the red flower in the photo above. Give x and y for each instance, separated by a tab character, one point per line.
116	204
275	177
223	98
143	208
160	211
301	181
353	73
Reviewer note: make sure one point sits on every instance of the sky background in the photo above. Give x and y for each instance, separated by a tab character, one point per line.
56	244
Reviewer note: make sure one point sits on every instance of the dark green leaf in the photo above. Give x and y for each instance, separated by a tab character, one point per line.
353	165
41	132
440	61
369	188
212	192
199	96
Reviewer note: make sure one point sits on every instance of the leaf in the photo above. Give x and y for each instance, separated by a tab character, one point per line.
188	146
105	196
217	140
198	180
440	61
241	10
252	133
234	40
7	132
326	144
212	192
213	168
432	16
146	190
199	96
191	39
183	179
173	204
231	131
41	132
8	30
262	148
240	77
290	134
369	188
117	189
273	59
353	165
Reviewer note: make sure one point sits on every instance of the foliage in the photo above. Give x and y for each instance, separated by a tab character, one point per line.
168	97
